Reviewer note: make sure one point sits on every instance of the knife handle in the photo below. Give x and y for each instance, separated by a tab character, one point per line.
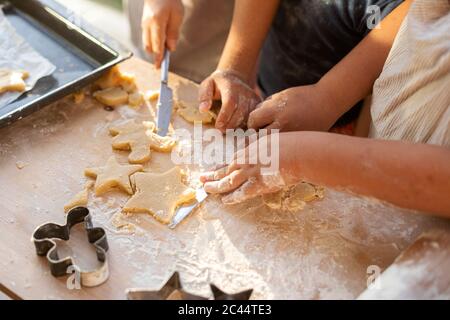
165	67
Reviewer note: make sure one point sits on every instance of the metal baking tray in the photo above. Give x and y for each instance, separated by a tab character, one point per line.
80	53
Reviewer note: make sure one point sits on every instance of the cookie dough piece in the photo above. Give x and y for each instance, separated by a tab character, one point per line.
159	194
78	97
140	138
80	199
128	82
152	95
112	175
121	224
112	97
191	113
135	99
12	80
115	78
293	198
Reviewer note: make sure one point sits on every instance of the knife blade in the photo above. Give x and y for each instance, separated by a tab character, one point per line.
165	101
184	211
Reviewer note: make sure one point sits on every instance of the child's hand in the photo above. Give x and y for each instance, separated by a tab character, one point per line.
306	108
244	181
161	23
238	99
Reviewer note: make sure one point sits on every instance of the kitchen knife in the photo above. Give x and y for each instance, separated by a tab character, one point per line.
165	102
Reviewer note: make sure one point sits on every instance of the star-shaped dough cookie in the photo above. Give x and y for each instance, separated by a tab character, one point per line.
139	138
112	175
159	194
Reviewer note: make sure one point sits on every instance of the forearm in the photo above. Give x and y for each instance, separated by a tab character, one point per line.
414	176
352	79
251	22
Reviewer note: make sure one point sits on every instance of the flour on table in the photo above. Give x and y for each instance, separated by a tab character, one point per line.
159	194
120	223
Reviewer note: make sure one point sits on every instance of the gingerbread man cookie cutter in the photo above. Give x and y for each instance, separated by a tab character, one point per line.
43	239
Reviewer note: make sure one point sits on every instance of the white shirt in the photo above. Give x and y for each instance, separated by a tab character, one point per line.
411	98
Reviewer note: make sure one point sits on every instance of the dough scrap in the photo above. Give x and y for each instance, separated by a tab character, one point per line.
140	139
159	194
21	164
80	199
293	198
120	223
11	80
191	113
118	88
78	97
135	99
112	97
112	175
152	95
116	78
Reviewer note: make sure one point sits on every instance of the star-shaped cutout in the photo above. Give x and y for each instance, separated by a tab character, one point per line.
171	290
159	194
220	295
112	175
140	138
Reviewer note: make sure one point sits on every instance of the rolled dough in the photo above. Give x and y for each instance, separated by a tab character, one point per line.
293	198
159	194
140	139
112	175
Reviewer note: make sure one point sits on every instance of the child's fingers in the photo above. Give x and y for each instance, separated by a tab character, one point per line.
228	183
249	190
263	115
229	106
158	33
146	39
206	94
214	175
173	29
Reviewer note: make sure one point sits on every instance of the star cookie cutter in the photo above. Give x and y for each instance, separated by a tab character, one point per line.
173	290
43	239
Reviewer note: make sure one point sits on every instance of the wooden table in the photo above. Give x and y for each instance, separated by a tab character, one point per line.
321	252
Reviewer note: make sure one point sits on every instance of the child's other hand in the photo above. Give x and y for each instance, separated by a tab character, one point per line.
161	23
242	180
305	108
237	98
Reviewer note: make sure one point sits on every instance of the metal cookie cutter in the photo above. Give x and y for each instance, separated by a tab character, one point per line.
173	290
45	246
